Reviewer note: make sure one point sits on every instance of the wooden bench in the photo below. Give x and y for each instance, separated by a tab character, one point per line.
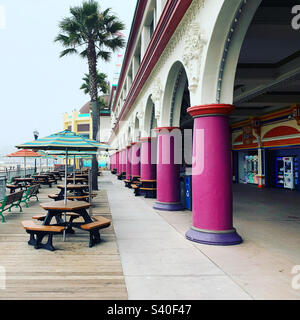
72	216
94	227
128	183
13	185
84	197
149	192
9	201
136	188
122	176
53	196
31	192
38	232
44	180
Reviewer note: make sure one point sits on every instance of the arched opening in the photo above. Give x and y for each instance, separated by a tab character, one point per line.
149	120
129	136
137	130
176	101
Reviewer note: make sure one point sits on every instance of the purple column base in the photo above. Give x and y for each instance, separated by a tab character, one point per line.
216	239
168	206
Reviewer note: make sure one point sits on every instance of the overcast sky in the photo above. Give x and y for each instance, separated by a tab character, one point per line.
36	86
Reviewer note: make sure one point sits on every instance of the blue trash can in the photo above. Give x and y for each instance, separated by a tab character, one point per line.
182	191
188	192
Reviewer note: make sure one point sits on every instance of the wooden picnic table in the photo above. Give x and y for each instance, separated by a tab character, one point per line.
77	189
25	182
77	180
56	209
43	179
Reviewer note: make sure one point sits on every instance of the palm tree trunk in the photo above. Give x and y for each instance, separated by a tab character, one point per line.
92	61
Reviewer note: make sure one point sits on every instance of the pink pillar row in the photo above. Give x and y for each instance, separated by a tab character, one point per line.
148	161
128	162
135	160
168	169
212	177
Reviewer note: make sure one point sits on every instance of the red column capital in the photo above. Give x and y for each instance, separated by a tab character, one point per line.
146	139
211	109
160	129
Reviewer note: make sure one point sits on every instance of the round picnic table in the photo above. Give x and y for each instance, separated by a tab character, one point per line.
24	179
24	182
78	189
77	180
56	209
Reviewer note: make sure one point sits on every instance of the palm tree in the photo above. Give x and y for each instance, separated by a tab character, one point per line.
102	86
101	83
93	34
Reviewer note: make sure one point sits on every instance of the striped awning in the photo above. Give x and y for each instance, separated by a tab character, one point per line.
65	140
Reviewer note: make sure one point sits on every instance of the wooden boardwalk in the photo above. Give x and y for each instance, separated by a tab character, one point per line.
73	271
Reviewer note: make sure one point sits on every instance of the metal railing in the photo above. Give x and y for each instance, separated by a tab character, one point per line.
10	173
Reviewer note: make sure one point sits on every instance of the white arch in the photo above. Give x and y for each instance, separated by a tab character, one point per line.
148	116
173	93
221	58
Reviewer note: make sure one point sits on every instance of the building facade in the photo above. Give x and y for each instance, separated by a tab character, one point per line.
216	82
80	121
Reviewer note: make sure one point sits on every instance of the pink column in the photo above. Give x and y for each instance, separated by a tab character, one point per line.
123	163
135	160
115	162
118	162
148	164
168	169
128	162
111	159
212	177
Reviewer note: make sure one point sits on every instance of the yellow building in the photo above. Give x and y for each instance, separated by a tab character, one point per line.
79	122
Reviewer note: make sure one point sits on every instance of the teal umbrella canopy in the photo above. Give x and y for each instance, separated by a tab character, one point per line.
64	140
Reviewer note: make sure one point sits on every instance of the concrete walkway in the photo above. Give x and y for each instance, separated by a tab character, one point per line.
158	262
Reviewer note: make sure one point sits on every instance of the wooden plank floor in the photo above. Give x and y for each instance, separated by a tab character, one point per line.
73	271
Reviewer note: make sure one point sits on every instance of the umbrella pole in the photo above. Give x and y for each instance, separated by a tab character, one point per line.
65	199
24	167
74	169
90	191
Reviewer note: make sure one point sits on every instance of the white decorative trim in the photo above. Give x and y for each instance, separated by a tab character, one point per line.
193	49
156	97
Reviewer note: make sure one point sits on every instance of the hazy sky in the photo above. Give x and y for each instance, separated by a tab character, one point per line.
36	86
